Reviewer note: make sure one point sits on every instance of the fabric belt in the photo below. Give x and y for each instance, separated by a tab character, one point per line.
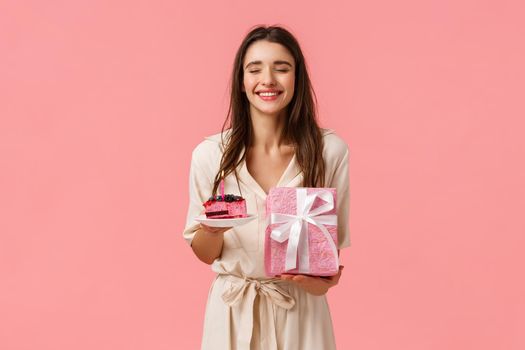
243	293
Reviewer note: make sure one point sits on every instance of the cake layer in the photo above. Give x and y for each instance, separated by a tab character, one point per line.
219	209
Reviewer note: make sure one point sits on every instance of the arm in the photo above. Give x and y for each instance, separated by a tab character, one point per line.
207	243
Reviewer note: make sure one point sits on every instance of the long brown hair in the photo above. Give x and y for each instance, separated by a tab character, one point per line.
300	127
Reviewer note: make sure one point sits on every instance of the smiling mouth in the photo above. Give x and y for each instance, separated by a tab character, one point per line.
269	94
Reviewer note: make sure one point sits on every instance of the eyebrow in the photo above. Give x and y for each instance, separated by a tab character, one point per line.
274	62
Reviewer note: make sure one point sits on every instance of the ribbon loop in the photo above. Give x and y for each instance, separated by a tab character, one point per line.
294	228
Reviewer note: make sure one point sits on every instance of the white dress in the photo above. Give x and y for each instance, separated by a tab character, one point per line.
245	309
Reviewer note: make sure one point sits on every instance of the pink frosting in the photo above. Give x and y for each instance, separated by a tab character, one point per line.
235	209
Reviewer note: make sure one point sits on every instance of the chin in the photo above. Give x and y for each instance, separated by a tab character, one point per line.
271	111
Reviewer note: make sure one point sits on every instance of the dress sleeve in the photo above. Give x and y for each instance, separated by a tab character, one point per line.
341	182
200	187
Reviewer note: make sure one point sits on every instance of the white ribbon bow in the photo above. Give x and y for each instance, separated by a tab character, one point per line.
294	228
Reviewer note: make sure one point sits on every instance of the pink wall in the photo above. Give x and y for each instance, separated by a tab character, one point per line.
101	103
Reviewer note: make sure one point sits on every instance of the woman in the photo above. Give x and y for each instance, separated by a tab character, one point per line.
273	140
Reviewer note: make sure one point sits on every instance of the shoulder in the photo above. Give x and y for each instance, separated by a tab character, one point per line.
335	148
209	150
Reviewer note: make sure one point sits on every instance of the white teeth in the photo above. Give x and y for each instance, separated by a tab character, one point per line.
268	93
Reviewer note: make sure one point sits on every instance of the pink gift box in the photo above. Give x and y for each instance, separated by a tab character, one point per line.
301	235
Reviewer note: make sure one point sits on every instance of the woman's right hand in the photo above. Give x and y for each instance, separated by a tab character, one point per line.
214	230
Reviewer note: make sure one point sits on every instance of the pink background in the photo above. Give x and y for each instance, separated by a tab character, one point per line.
101	103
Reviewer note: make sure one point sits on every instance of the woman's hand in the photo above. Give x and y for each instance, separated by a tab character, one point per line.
314	285
214	230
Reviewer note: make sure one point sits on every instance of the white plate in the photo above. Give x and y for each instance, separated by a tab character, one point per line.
225	222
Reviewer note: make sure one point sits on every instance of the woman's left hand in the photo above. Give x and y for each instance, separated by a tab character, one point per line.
314	285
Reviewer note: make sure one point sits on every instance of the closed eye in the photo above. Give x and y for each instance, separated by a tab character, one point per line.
279	70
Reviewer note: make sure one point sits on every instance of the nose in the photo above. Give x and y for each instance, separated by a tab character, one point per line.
267	77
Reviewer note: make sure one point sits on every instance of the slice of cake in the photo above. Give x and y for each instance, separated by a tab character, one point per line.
225	207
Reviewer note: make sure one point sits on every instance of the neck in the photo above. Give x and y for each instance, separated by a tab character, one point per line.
268	130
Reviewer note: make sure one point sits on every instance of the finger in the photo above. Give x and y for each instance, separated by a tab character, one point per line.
300	278
287	277
333	280
292	278
215	230
307	280
208	228
327	280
